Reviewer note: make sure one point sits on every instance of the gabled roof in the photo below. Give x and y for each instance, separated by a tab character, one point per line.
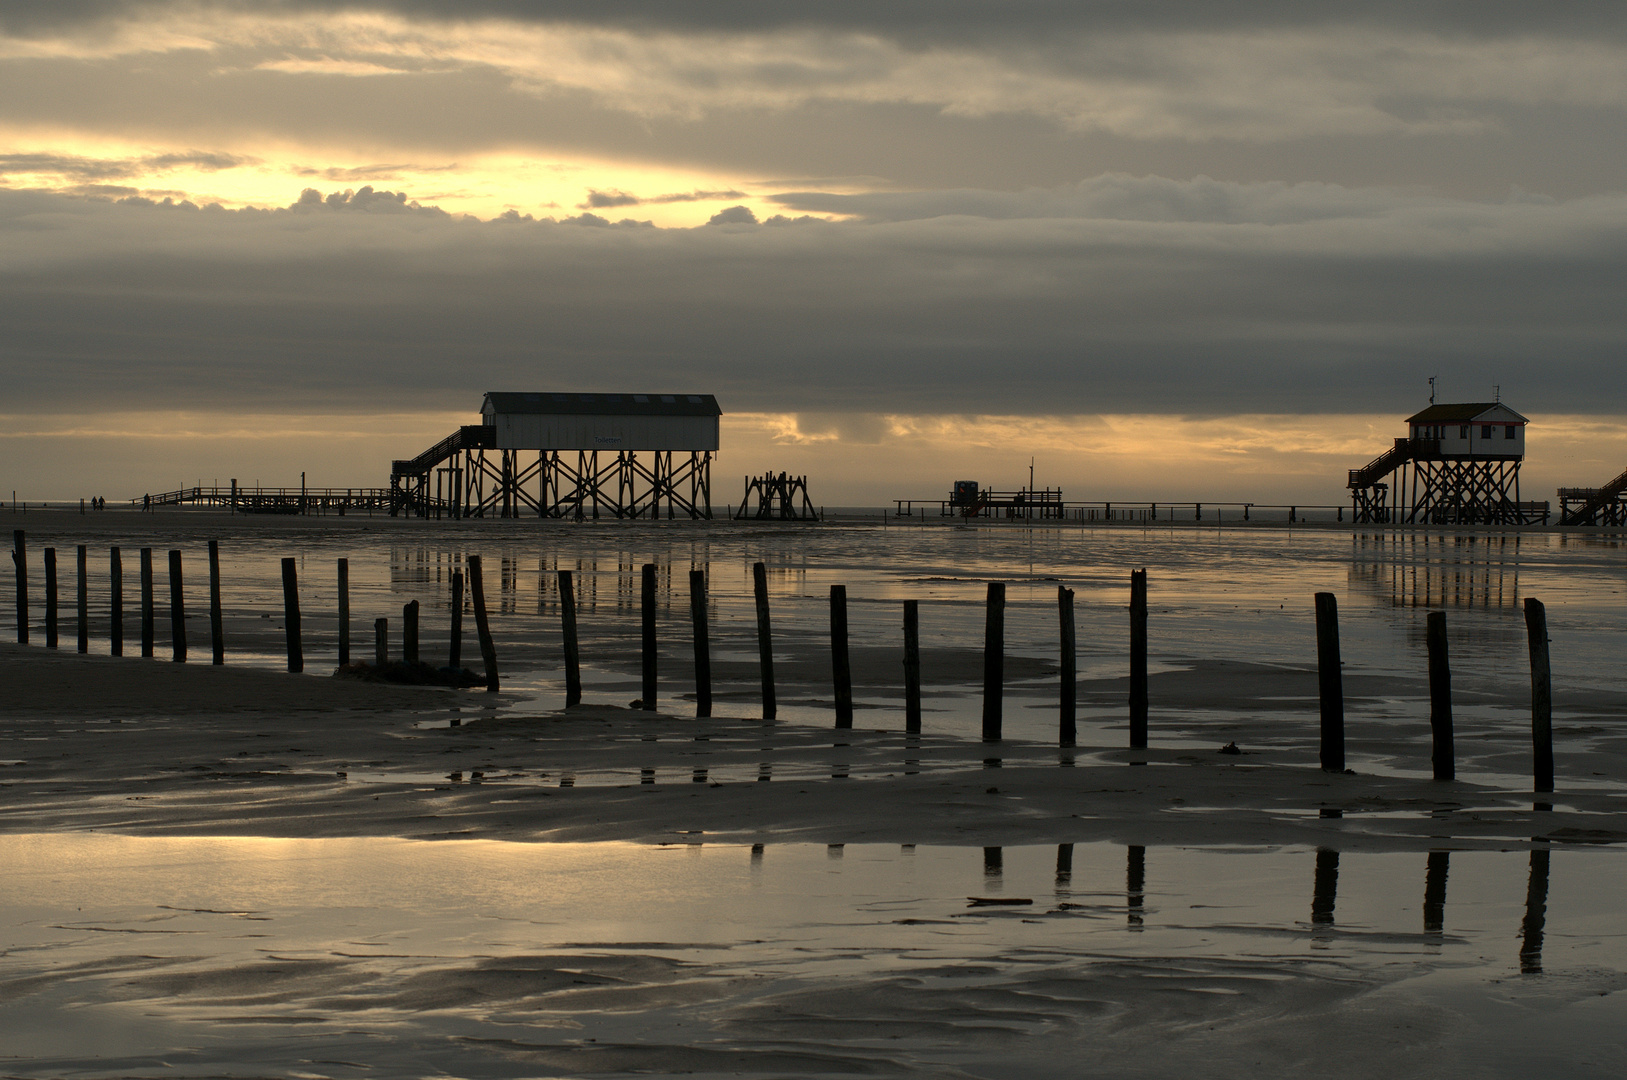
602	404
1466	413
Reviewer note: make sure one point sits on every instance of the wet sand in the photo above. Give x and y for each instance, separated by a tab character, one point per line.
196	979
147	746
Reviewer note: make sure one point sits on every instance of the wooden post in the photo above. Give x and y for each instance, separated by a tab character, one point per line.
381	643
994	661
344	612
567	624
703	651
1440	697
50	599
1067	729
115	588
409	632
1542	696
290	615
217	626
19	557
841	670
177	610
1330	682
488	650
765	639
455	650
912	667
647	616
84	599
147	601
1138	658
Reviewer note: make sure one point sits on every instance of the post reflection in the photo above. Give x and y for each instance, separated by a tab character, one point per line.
1536	914
993	864
1064	864
1325	888
1435	892
1135	883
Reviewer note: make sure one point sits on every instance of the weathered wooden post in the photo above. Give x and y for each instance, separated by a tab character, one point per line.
567	623
344	612
647	626
19	557
1542	695
409	632
841	669
488	650
1067	726
765	639
1138	658
994	661
217	626
381	643
290	615
1330	683
177	609
1440	697
703	651
115	587
455	649
83	607
50	599
147	634
912	667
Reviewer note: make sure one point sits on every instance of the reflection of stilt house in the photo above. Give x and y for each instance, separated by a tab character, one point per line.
1458	465
588	460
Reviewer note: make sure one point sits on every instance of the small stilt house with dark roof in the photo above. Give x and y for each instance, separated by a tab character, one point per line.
1482	429
1458	465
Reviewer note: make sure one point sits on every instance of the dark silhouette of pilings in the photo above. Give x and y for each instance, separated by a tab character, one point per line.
1442	751
1138	659
1330	683
994	662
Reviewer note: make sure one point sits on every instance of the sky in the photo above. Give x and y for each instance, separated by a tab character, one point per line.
1194	249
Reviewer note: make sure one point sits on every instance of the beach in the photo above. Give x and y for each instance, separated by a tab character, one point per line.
305	875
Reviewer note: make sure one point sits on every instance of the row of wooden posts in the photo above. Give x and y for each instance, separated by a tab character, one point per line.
217	636
1329	664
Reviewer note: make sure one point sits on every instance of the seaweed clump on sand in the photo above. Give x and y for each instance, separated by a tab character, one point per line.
404	674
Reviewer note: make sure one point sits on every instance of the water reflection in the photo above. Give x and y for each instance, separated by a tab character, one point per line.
1135	883
1325	888
1536	913
1435	892
1432	569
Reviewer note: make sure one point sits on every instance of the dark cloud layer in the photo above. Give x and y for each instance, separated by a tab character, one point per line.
122	306
926	20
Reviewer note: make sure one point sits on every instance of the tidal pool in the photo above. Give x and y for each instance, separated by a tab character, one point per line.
147	956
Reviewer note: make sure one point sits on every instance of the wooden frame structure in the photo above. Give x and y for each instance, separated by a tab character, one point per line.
780	497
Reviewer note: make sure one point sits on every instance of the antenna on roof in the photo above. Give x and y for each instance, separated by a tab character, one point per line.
1432	379
1497	392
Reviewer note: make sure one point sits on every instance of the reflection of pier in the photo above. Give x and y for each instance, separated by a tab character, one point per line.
1437	570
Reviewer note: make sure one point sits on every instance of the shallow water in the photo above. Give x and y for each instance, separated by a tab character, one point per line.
356	957
1229	594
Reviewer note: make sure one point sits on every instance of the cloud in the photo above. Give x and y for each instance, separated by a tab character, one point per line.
324	308
923	20
89	168
734	215
599	200
1125	198
363	200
